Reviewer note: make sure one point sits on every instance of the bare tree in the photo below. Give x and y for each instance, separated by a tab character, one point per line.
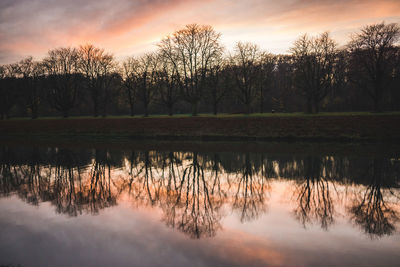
109	82
130	81
314	62
99	69
8	89
32	74
146	71
267	65
192	51
63	78
190	65
246	65
283	84
395	85
218	82
373	54
168	84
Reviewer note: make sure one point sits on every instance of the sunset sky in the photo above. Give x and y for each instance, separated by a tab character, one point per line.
123	27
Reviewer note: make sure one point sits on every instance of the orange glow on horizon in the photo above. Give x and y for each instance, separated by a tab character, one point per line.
127	28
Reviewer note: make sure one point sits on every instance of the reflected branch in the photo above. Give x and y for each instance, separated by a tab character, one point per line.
371	210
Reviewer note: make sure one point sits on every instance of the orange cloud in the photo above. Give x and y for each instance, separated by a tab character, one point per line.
31	27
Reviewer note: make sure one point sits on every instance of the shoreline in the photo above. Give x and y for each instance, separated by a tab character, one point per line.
369	128
270	147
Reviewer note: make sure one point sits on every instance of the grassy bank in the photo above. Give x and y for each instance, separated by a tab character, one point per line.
326	127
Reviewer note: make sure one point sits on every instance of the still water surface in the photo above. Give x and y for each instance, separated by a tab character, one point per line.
101	207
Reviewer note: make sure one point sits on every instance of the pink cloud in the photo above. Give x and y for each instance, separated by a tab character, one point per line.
31	27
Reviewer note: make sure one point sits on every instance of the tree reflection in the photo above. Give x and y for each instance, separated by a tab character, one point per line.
32	186
8	183
193	190
313	194
194	209
176	182
371	209
143	185
73	194
61	183
250	188
98	194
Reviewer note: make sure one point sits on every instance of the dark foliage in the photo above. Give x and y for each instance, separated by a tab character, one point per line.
190	73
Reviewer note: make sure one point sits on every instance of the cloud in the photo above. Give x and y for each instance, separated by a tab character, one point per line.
31	27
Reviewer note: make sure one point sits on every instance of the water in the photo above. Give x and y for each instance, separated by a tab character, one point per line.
176	207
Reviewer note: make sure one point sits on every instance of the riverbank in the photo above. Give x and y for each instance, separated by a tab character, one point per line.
364	127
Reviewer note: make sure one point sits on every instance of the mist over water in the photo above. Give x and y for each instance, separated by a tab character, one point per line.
116	207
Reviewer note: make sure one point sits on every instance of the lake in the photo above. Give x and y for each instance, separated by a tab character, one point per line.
199	205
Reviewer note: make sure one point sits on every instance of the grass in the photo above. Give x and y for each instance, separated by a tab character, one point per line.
220	115
360	126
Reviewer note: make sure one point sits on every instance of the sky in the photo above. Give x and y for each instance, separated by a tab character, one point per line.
133	27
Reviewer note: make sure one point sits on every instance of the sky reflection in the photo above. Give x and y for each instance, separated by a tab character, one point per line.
224	209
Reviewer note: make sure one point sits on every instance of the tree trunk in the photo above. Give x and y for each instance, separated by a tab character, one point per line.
377	107
132	110
131	103
35	112
248	108
65	113
95	108
315	107
146	109
194	108
95	99
170	113
105	107
215	106
309	107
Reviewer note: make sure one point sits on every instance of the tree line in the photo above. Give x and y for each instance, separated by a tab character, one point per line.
191	72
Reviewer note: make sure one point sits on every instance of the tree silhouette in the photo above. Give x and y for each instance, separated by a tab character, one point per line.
267	68
167	84
190	65
283	84
32	74
146	70
218	83
9	84
314	60
192	51
99	70
373	56
64	79
246	65
130	81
